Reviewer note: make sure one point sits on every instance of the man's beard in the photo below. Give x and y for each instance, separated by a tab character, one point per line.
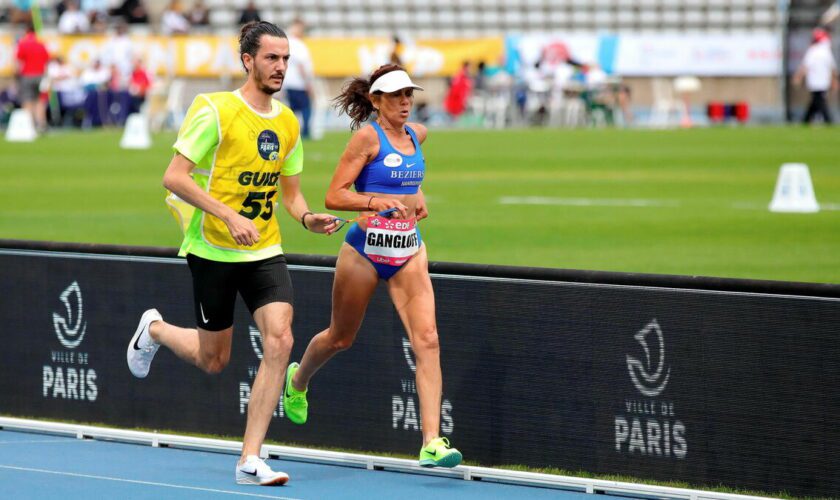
262	86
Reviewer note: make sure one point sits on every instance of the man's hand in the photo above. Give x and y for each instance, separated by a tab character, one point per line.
321	223
242	229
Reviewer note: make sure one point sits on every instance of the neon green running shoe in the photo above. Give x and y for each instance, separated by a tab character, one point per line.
294	401
439	453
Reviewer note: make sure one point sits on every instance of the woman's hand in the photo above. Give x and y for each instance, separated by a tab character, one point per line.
379	204
421	211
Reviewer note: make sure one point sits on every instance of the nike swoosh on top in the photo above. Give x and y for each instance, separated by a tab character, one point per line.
410	165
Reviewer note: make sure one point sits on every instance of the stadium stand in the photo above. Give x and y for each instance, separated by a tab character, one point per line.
446	19
473	18
805	14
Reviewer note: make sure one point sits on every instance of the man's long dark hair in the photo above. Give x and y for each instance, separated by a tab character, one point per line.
249	37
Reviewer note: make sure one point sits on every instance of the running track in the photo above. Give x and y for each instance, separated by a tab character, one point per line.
50	466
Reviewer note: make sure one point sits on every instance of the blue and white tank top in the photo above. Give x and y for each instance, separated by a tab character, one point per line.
392	172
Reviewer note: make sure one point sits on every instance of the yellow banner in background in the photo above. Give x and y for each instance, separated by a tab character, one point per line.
207	56
7	55
360	56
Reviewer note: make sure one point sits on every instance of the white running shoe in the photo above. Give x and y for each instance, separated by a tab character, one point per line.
255	471
142	348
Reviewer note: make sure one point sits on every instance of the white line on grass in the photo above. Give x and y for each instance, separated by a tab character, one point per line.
586	202
148	483
828	207
616	202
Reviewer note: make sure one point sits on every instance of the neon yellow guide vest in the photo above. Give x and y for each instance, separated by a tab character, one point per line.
242	172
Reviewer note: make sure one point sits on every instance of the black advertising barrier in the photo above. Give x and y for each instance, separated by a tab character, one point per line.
707	381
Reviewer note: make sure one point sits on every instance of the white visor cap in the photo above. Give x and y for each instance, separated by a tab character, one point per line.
392	82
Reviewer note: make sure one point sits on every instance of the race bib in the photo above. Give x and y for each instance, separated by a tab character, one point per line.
391	241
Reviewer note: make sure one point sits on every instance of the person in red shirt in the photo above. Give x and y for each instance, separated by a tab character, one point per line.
32	58
460	89
139	85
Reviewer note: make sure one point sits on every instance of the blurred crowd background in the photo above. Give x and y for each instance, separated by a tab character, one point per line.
484	63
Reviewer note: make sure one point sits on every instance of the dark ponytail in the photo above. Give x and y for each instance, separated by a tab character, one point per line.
353	100
250	34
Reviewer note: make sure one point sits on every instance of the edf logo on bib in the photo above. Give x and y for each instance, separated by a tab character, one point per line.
268	145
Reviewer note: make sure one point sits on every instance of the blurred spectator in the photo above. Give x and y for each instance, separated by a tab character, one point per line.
477	103
819	71
8	102
59	74
596	78
299	75
94	81
119	51
622	99
563	77
73	21
20	12
422	113
537	93
479	80
96	11
60	7
32	58
95	77
249	13
138	86
107	100
62	80
173	21
113	81
117	81
396	51
460	88
499	94
132	12
199	15
99	24
534	77
598	95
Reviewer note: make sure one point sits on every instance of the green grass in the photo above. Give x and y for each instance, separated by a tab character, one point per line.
712	185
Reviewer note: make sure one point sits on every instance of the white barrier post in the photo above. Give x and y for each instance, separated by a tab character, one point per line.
794	190
21	127
136	134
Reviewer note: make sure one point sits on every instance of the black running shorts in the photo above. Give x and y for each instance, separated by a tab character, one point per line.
215	285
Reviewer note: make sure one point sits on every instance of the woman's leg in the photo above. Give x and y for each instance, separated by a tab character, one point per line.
354	284
414	299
